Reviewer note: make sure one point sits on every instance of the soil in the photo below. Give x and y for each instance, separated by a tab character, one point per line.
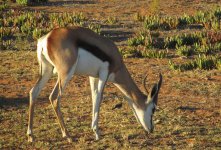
191	97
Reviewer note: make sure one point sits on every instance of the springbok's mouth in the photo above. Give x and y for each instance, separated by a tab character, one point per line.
151	130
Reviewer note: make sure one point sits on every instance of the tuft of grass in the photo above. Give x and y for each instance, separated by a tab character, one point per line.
183	39
186	20
206	63
142	38
202	62
37	33
136	41
184	51
95	27
29	2
3	6
139	17
154	54
111	20
131	52
22	2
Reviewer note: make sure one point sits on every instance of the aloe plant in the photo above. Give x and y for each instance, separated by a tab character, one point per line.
184	51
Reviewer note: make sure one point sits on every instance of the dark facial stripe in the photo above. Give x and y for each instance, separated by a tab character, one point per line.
96	51
153	111
151	117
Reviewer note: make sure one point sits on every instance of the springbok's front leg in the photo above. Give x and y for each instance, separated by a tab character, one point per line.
97	87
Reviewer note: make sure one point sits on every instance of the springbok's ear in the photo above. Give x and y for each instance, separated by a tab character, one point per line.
153	95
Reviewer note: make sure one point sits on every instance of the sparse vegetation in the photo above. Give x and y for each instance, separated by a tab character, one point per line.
111	20
22	2
202	36
185	48
3	6
201	62
32	25
30	2
184	51
154	54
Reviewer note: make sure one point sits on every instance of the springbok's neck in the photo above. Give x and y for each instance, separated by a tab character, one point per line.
128	87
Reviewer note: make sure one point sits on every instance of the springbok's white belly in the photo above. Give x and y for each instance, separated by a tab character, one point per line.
88	64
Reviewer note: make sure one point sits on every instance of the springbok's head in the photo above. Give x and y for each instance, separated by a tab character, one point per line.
144	115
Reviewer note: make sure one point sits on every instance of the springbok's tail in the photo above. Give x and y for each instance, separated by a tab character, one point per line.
42	55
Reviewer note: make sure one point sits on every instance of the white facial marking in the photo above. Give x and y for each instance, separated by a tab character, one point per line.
145	116
149	115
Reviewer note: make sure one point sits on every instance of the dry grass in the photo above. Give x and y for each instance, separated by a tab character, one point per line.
188	115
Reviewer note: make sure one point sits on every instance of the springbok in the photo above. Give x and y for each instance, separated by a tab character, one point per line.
78	50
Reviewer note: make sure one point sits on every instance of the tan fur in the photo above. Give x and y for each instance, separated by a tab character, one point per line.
63	53
62	44
126	84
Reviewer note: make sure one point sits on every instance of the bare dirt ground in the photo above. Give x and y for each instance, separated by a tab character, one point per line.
189	111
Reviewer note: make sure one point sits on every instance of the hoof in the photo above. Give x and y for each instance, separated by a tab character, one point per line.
97	137
30	139
70	140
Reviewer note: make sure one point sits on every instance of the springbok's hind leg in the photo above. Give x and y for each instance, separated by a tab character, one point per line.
55	97
97	87
46	72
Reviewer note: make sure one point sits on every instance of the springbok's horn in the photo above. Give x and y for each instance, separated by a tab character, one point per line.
144	84
160	81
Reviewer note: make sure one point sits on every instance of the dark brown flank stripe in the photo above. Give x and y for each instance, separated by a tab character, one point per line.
96	51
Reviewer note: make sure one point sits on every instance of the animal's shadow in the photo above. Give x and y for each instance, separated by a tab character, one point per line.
61	3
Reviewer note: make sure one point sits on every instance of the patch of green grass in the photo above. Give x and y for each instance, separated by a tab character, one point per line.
154	54
30	2
136	41
184	51
201	62
95	27
185	20
128	53
210	20
3	6
183	40
32	25
198	40
111	20
22	2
